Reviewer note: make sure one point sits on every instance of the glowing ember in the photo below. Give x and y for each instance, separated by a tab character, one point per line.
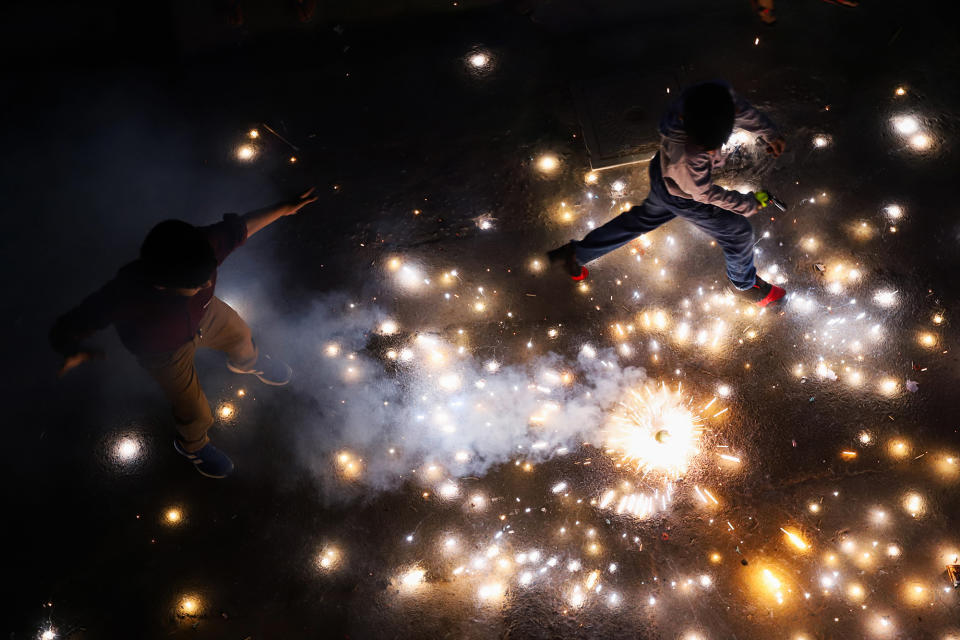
479	60
226	411
548	163
921	142
927	339
893	211
189	606
389	327
655	431
913	504
906	125
412	578
349	466
885	297
246	152
329	559
173	516
127	449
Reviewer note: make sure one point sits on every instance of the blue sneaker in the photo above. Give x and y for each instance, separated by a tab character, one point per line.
271	371
208	461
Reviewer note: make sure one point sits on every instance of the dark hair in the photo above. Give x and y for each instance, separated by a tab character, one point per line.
177	254
708	114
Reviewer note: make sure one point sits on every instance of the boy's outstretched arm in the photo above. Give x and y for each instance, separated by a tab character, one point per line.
260	218
70	329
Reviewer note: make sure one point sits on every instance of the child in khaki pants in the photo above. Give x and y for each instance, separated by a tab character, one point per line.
163	308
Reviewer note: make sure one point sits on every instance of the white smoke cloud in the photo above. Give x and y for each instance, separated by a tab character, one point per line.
415	405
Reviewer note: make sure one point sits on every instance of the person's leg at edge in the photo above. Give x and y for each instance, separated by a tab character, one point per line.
733	234
177	376
617	232
224	330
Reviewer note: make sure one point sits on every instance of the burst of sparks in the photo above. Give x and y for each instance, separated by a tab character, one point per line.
655	430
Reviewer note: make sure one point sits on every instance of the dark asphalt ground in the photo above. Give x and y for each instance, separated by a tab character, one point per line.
131	122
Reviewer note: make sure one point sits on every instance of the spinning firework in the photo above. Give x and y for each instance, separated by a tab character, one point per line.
655	431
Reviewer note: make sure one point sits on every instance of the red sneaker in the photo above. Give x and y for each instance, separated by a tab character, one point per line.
762	293
565	258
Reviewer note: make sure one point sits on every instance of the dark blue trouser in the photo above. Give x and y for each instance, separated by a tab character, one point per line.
731	231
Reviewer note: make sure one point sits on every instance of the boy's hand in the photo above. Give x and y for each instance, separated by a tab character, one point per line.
301	201
77	359
776	146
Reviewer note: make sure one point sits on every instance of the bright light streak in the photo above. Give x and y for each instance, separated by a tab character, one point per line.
795	539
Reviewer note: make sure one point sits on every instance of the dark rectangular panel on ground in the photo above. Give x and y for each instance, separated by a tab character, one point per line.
619	116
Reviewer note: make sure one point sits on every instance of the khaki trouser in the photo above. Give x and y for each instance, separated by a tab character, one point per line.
221	328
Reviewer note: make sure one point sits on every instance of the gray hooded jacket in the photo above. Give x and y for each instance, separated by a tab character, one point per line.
687	168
